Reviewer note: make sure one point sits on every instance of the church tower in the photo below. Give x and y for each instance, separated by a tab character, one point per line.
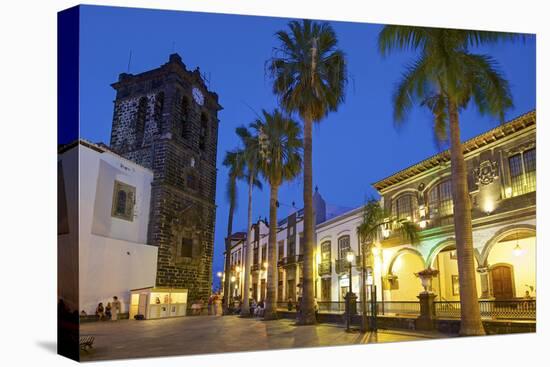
166	119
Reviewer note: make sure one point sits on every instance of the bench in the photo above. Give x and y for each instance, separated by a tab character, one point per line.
86	342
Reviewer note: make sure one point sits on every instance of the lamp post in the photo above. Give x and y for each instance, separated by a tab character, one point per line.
220	275
349	258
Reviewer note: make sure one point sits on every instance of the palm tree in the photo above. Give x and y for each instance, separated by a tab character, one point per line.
445	78
309	73
251	160
234	160
375	219
281	152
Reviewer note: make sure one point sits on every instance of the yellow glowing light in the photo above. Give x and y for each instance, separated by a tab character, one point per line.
489	206
265	265
508	192
350	256
385	232
518	251
422	210
233	278
375	251
238	269
422	224
236	287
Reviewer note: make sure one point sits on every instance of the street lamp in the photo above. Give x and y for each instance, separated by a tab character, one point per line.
220	275
350	256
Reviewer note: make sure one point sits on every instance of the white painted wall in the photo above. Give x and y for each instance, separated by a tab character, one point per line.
113	255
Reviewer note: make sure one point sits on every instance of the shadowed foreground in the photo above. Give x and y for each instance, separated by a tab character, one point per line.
201	335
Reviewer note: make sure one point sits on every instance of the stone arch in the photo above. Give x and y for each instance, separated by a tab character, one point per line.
502	233
444	244
410	250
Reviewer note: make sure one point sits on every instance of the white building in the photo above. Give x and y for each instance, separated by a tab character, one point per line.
103	220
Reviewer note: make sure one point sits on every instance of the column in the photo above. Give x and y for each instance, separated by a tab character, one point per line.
484	281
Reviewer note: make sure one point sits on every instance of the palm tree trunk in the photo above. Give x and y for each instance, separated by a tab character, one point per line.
307	312
270	312
469	305
227	276
245	309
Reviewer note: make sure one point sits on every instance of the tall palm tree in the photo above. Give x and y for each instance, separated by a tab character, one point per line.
371	231
309	73
281	152
445	78
234	160
252	161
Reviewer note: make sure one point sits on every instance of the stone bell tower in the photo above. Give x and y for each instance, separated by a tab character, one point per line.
166	119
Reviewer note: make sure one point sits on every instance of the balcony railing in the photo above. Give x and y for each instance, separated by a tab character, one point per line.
289	260
516	309
523	309
325	268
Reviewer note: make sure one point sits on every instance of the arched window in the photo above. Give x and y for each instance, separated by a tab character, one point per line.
203	131
159	106
141	116
404	207
440	200
343	247
121	202
184	119
325	251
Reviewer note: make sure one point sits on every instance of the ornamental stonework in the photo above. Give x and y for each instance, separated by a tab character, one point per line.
486	172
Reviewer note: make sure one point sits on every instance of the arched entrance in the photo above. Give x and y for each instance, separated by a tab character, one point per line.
402	283
510	258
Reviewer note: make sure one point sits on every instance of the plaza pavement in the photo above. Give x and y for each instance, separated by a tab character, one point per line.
216	334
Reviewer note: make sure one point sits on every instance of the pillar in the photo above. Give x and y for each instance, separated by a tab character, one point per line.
426	320
484	281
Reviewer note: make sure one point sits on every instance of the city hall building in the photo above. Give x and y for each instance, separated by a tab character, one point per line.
501	168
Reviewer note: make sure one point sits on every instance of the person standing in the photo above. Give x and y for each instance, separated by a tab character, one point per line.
108	313
115	308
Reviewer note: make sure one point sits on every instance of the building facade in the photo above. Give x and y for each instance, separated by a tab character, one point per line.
103	217
501	167
166	120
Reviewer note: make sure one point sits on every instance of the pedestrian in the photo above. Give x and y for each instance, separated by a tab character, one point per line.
217	304
100	311
210	304
108	314
115	308
253	306
289	304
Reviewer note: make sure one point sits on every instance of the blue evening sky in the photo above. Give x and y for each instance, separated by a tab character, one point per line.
352	148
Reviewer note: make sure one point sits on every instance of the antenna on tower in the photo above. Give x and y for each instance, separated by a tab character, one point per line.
129	61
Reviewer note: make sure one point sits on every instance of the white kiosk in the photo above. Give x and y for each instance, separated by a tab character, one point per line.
157	303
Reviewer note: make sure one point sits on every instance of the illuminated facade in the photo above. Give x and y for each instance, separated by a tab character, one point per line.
501	167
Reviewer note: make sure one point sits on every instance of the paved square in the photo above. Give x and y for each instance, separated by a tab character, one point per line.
211	334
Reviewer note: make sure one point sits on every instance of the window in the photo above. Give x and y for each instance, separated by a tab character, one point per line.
186	247
343	247
191	181
140	119
301	243
291	250
440	200
264	253
281	251
123	201
403	207
203	132
159	106
523	168
184	119
325	251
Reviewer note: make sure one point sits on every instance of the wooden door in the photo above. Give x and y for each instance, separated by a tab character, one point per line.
502	282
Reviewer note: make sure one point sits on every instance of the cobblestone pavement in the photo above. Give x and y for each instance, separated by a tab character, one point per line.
211	334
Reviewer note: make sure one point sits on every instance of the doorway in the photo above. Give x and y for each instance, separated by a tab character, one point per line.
502	282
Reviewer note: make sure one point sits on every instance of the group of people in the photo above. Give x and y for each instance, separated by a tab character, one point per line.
109	312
